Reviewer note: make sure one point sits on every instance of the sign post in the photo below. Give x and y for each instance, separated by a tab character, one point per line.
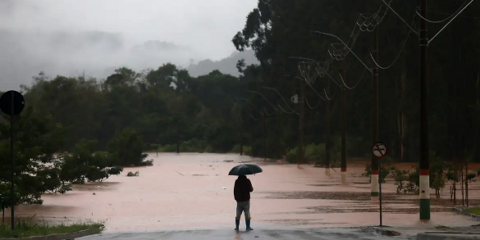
379	151
12	104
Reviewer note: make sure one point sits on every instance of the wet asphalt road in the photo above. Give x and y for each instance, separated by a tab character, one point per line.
229	234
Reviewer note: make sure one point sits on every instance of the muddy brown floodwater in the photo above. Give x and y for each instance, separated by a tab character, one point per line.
193	190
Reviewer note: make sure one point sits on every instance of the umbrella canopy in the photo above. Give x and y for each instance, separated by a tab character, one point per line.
245	169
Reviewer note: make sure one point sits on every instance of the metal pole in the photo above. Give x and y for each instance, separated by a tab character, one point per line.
374	173
12	174
327	138
344	137
380	194
301	104
424	158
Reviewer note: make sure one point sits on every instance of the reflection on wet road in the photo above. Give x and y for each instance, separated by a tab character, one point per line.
194	191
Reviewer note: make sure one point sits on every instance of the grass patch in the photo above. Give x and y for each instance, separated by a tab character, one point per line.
441	227
26	228
473	210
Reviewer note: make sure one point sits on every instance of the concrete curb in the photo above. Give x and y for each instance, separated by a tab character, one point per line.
447	236
61	236
461	210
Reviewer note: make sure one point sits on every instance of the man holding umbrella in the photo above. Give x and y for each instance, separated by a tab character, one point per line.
243	188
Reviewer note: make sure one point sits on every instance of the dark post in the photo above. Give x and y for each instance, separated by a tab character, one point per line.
251	139
466	182
241	137
344	137
301	104
178	136
374	174
424	158
279	151
12	167
380	194
327	137
264	138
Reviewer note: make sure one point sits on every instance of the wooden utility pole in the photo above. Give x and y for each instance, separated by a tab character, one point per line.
343	164
344	137
374	171
424	151
327	137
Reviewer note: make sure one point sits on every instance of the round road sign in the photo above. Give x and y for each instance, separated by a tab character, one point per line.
12	103
379	150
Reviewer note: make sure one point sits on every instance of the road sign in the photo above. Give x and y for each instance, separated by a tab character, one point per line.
379	150
12	103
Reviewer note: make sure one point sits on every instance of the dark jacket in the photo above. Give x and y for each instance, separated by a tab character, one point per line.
243	188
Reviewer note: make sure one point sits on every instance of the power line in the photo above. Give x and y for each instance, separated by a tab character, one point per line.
446	19
318	104
444	13
399	53
356	85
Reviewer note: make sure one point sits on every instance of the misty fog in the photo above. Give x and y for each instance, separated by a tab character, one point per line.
97	36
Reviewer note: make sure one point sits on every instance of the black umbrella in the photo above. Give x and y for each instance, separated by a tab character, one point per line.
245	169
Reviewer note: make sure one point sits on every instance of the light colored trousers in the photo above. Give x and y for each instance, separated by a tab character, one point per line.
243	207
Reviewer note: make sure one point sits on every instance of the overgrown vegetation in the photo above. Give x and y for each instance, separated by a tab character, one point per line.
27	228
441	173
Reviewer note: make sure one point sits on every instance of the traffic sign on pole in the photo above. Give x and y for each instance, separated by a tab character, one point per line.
379	150
12	104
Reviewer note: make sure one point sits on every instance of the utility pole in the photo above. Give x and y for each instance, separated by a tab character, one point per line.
374	171
327	137
301	104
344	137
424	158
343	164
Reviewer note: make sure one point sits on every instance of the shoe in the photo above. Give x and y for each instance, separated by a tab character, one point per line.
237	224
247	222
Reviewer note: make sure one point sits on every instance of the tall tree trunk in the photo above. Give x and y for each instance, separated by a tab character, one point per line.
403	122
466	183
461	187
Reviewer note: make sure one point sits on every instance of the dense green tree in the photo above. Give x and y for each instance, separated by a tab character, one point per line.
37	140
127	148
83	164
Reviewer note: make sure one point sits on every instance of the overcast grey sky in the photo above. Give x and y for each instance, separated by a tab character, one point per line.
50	35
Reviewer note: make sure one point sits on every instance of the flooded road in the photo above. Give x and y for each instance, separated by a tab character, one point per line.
194	191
